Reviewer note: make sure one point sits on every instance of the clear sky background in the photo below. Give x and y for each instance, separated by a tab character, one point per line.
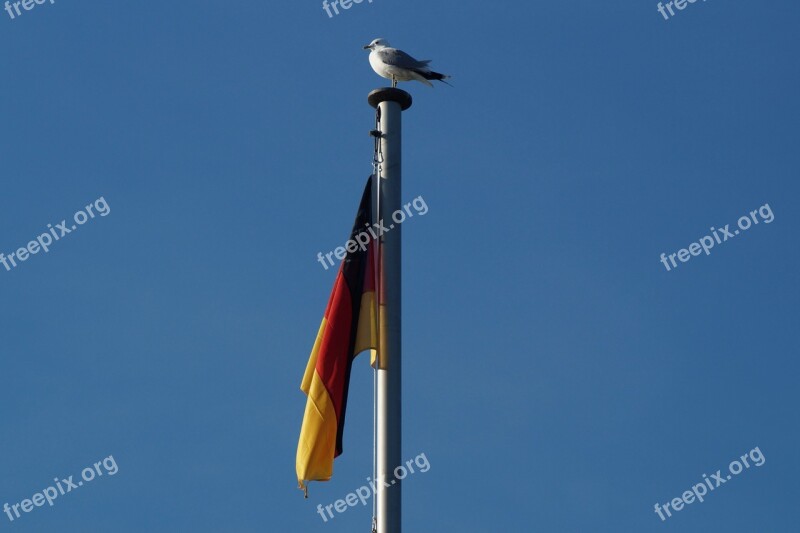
557	376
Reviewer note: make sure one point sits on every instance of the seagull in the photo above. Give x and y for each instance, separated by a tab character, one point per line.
396	65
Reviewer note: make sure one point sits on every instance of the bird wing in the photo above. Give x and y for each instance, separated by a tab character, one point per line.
398	58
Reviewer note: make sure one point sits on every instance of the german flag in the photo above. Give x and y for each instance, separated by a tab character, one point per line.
348	328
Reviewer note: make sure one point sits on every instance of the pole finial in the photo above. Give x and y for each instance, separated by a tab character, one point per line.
389	94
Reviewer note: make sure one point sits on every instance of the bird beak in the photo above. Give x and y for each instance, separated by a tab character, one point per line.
367	47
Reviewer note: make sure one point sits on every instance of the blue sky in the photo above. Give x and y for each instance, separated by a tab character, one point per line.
557	377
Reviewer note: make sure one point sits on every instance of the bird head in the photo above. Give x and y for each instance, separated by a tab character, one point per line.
377	44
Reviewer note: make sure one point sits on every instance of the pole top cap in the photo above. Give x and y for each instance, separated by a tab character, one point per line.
389	94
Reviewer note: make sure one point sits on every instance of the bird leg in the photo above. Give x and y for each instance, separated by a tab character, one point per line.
394	81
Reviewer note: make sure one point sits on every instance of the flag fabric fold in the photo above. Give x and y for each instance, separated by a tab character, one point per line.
348	327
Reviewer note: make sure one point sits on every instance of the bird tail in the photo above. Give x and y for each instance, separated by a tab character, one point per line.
431	75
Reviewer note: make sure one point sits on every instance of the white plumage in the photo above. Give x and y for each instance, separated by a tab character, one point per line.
396	65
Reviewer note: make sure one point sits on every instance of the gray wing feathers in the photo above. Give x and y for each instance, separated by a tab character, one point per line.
398	58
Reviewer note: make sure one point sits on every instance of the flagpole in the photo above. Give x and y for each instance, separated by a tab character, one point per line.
389	103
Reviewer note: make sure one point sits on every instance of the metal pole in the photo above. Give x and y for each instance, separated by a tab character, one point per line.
391	103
